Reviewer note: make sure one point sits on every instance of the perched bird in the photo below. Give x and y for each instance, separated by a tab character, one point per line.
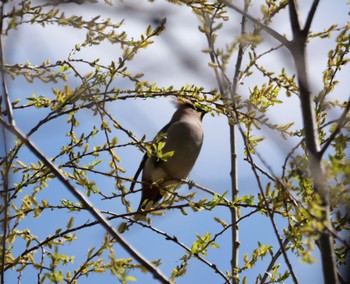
184	137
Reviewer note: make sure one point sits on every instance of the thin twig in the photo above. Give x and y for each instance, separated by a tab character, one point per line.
273	261
230	226
205	189
266	28
270	214
266	203
340	123
175	240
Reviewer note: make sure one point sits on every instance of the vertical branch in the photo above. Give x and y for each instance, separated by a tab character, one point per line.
297	47
234	170
5	205
6	171
270	212
224	86
315	165
312	140
9	111
234	210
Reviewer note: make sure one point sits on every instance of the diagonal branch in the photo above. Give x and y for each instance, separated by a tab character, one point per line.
266	28
273	261
340	123
87	204
293	13
310	16
187	249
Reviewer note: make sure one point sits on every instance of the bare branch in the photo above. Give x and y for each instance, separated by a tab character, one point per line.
310	16
294	18
233	149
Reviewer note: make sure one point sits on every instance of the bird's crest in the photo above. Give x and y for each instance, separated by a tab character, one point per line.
182	103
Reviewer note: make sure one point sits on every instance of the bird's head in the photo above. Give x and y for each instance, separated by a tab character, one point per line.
186	105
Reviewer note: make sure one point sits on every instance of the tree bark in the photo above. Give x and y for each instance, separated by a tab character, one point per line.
326	242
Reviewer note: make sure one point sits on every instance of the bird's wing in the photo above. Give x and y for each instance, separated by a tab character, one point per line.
142	164
144	159
164	129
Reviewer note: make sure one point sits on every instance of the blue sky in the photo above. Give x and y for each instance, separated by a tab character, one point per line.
174	59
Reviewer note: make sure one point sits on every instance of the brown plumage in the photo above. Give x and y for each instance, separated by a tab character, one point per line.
184	136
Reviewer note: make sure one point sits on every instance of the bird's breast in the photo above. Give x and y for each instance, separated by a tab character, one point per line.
185	139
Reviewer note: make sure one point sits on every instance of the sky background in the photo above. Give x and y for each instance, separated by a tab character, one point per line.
174	59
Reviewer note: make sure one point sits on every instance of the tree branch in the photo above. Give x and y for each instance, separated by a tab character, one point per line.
188	250
9	110
234	169
312	141
87	204
270	212
5	205
6	172
273	261
293	13
266	28
340	123
310	16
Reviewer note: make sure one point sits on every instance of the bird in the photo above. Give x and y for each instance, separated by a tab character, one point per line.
183	139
